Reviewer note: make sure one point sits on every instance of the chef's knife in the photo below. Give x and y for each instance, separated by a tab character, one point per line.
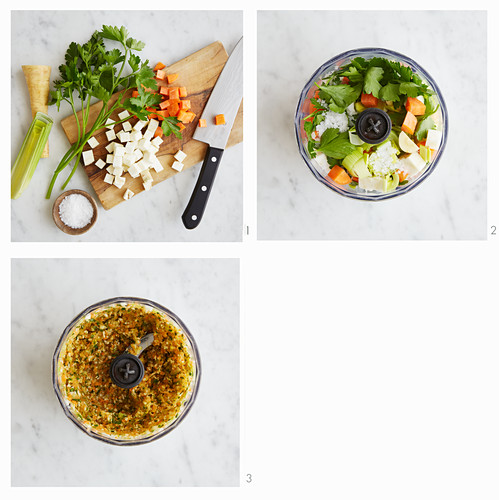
225	99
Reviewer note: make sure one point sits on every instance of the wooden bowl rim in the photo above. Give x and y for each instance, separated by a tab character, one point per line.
57	218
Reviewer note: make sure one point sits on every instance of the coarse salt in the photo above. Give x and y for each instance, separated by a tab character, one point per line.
76	211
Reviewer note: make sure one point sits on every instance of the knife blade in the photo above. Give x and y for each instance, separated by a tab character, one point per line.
225	99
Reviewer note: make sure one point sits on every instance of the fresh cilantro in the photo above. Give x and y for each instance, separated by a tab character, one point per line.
335	144
92	71
371	81
423	126
390	92
339	97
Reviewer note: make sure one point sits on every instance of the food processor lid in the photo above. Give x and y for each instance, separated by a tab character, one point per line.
127	371
373	125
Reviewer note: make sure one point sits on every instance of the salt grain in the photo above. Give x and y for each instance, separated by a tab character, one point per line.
76	211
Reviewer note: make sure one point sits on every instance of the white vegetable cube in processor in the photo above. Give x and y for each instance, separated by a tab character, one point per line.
433	139
88	157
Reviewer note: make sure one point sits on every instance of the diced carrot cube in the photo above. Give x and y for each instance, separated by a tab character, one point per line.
368	100
181	126
220	120
410	122
190	116
160	65
202	122
171	78
415	106
164	104
135	93
173	93
185	104
173	108
182	92
160	74
163	90
183	116
159	132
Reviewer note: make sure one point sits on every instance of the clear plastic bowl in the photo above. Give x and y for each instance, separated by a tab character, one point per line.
302	112
189	401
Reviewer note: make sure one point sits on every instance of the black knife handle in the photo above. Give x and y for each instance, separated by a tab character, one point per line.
195	208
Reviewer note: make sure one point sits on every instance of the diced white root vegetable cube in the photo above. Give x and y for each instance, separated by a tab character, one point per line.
146	176
123	136
412	164
153	148
128	160
130	147
110	147
135	135
119	182
128	194
125	168
108	121
139	125
372	183
149	156
433	139
178	166
148	135
152	126
119	149
110	158
180	155
124	114
157	166
134	171
138	154
93	142
147	185
100	163
142	165
141	143
109	179
118	161
157	141
118	171
88	157
111	136
110	169
127	127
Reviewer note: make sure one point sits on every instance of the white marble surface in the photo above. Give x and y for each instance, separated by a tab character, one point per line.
450	204
42	37
48	449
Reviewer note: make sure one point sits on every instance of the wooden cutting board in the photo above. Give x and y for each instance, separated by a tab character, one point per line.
198	73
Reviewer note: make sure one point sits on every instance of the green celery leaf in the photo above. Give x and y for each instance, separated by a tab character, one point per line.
133	44
410	89
337	148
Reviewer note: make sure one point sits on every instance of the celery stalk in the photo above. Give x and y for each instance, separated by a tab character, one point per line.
30	154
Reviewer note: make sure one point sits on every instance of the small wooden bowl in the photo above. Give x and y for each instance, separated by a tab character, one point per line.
57	218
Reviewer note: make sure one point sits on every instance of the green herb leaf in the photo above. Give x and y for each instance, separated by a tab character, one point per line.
423	127
169	126
338	147
371	81
390	92
339	97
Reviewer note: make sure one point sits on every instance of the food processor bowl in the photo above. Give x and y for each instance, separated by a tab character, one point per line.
187	403
303	107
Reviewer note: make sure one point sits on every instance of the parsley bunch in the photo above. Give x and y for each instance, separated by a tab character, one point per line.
384	79
91	71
